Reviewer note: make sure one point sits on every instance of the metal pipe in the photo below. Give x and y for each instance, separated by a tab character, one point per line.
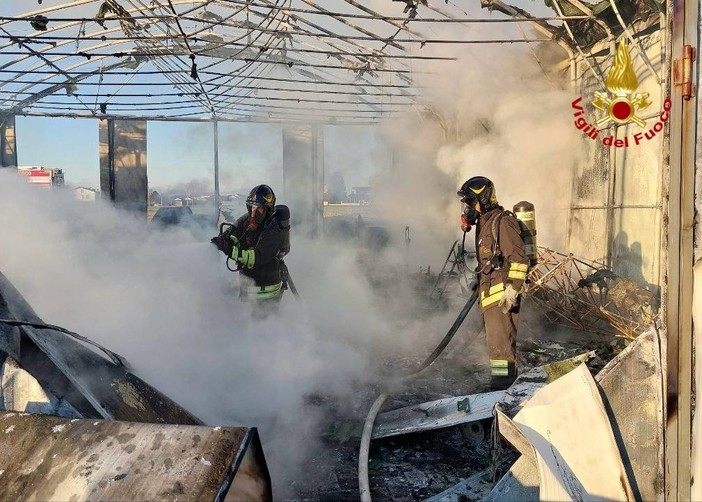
197	117
621	206
609	214
215	130
378	17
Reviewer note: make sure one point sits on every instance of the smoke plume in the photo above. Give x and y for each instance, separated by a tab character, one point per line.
165	301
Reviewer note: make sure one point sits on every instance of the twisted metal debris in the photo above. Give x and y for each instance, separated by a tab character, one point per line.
587	295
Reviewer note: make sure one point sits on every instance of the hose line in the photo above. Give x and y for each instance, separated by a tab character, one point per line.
363	483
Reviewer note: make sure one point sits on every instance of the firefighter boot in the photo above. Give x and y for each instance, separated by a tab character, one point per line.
502	382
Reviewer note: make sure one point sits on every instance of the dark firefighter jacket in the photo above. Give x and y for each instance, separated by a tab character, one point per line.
266	242
509	265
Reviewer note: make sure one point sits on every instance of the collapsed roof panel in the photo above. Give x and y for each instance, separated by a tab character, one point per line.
633	376
148	448
90	383
572	465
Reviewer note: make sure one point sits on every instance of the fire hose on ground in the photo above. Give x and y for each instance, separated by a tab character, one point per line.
363	483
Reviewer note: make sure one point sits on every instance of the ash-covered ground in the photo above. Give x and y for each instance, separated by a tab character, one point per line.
416	466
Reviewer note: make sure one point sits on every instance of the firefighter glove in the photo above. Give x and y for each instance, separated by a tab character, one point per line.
223	244
509	299
246	257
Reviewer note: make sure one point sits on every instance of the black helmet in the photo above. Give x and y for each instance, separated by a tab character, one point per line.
481	189
261	203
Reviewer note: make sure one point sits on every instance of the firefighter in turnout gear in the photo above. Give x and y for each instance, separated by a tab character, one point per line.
257	242
502	270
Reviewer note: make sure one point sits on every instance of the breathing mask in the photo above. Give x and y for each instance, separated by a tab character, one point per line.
469	215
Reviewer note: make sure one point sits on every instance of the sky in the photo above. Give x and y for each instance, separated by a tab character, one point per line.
180	152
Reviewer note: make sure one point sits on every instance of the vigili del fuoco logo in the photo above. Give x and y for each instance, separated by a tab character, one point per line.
620	105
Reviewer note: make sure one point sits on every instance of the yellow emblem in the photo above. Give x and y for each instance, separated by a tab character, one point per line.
268	198
477	192
621	82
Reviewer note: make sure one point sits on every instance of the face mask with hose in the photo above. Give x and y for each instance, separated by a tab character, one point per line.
469	215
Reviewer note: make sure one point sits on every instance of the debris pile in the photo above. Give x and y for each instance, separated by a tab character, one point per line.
588	296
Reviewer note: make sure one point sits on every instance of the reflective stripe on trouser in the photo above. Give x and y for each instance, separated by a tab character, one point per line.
501	334
499	367
251	292
518	271
493	295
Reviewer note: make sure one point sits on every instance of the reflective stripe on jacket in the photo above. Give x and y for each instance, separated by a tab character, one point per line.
493	295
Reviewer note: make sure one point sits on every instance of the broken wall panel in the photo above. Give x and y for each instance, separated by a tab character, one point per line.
611	178
51	458
8	141
573	465
519	484
123	175
631	389
631	386
635	232
588	225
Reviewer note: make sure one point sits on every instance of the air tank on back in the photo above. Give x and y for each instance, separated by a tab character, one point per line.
282	214
525	213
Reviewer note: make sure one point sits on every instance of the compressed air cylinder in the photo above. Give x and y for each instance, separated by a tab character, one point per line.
282	214
525	213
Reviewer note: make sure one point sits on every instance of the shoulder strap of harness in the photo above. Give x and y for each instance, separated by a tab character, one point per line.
496	251
495	261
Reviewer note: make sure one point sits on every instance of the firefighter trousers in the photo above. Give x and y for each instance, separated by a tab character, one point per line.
501	334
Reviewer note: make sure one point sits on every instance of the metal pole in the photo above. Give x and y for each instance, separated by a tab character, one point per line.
680	222
216	169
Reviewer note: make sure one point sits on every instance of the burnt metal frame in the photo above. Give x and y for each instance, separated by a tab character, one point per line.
554	288
346	40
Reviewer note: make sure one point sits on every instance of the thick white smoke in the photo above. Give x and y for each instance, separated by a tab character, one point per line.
165	301
492	113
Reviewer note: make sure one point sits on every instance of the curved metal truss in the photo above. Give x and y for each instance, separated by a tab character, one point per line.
248	60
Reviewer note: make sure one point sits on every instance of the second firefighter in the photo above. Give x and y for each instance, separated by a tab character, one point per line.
502	270
257	241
